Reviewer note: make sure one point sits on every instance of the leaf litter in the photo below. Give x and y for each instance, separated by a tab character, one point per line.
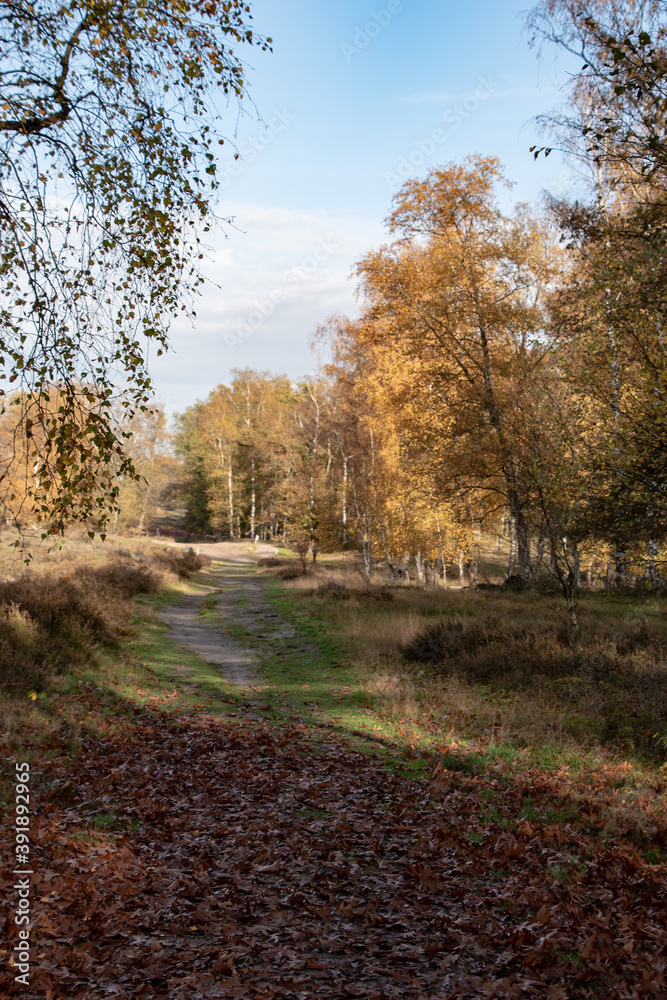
193	856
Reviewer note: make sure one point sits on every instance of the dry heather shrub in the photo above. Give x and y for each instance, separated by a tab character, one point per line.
291	573
23	648
270	561
619	678
334	590
377	595
124	579
65	608
183	563
50	623
454	639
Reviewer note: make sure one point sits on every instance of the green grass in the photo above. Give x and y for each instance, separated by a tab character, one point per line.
310	680
104	821
209	606
171	673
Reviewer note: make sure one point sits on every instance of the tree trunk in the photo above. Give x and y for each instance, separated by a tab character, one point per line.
344	511
577	566
510	469
609	580
252	497
653	571
461	561
511	567
570	591
419	566
364	533
620	567
442	555
230	488
366	551
387	555
563	560
523	546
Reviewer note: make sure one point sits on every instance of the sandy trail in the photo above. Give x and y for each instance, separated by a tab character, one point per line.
240	602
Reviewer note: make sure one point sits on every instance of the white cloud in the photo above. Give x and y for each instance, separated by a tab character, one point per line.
272	277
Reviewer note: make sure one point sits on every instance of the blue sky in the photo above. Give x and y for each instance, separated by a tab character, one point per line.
353	99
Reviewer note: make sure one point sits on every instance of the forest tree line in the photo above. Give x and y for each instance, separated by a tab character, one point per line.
506	367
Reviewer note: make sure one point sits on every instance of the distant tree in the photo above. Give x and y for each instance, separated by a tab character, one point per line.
309	494
261	402
149	448
208	431
233	445
608	320
107	176
609	315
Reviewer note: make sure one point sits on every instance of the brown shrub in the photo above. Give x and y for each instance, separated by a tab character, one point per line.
334	590
379	595
451	638
182	562
290	573
62	606
124	578
270	561
24	650
622	674
50	623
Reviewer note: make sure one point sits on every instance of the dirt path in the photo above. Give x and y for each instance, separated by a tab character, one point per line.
186	856
236	664
239	601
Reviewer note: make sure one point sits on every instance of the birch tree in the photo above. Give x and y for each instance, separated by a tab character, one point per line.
108	138
453	311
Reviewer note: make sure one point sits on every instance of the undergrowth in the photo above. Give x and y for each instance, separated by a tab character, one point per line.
507	661
616	670
51	622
